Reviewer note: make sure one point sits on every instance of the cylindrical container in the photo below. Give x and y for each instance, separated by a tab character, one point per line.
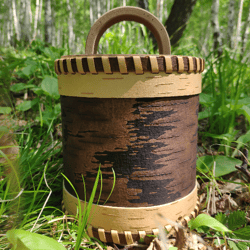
135	115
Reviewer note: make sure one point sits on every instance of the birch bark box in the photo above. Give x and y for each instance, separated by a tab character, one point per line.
136	115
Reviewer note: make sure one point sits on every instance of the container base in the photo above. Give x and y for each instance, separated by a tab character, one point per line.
126	225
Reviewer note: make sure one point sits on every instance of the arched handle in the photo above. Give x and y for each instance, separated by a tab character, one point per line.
128	13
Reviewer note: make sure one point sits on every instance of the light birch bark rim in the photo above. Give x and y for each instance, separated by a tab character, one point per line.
114	220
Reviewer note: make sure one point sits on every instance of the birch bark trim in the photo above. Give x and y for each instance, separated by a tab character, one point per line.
79	66
169	66
102	236
122	64
106	65
115	237
138	65
180	64
128	237
104	228
91	65
69	67
190	64
130	85
154	64
61	67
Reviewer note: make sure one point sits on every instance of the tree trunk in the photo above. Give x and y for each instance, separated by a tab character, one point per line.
71	34
159	9
178	19
98	9
53	27
165	11
48	22
21	13
10	31
143	4
36	18
27	22
91	14
206	36
39	18
216	27
230	23
108	5
16	22
237	36
59	36
245	33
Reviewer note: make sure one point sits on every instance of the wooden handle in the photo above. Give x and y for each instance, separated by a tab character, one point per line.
128	14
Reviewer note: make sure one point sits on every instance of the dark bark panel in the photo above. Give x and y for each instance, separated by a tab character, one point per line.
150	143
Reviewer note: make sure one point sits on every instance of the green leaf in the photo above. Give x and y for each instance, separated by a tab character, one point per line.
208	221
233	245
5	110
50	86
245	110
29	70
26	105
241	141
4	129
24	240
21	86
243	233
238	245
224	164
38	91
206	99
222	218
244	138
219	242
225	137
204	114
237	219
245	100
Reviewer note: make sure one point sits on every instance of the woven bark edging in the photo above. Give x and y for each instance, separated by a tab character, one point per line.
125	64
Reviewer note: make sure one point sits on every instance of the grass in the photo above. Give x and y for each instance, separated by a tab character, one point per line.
36	205
225	99
39	158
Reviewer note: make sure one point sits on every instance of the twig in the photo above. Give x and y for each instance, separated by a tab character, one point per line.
115	246
211	206
50	192
243	167
98	245
162	234
231	239
13	198
173	223
60	238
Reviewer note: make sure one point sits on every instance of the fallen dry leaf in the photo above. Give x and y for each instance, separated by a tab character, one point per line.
229	187
156	244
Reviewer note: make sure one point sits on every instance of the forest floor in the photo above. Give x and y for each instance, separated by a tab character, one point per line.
220	197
